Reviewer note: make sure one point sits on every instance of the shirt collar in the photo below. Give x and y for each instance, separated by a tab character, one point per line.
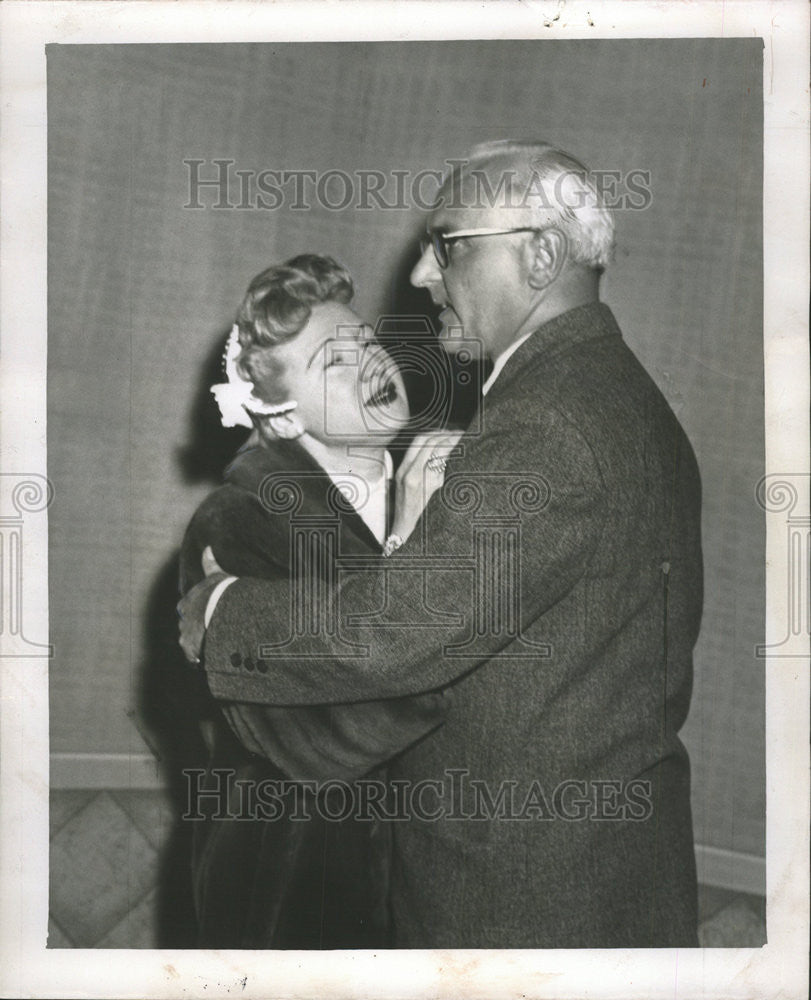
502	360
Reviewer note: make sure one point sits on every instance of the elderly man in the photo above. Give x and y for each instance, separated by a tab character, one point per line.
553	588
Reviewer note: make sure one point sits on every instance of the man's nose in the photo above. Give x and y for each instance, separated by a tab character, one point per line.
426	271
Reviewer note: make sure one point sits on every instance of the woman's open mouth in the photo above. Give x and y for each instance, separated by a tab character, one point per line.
384	396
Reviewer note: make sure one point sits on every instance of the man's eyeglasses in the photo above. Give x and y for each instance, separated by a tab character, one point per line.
440	241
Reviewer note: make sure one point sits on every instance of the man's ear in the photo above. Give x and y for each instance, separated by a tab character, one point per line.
549	250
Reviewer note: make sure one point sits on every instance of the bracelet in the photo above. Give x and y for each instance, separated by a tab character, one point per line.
392	544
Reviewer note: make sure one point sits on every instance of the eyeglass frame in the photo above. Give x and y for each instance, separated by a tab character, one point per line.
439	241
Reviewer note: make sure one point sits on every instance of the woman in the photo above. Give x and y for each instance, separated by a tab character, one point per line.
310	488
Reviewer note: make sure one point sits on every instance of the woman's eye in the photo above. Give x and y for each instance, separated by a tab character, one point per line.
341	358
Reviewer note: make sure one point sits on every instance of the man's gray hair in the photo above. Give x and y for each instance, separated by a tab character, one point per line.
555	188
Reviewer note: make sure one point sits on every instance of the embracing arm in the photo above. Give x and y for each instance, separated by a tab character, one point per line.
319	742
396	655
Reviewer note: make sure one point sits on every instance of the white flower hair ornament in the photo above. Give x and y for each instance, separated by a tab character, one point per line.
235	397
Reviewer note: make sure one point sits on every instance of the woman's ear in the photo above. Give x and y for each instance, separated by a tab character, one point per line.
549	250
286	425
271	427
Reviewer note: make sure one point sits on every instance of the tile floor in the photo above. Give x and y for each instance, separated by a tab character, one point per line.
110	852
115	882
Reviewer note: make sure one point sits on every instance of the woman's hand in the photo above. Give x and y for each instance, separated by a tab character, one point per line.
192	607
420	475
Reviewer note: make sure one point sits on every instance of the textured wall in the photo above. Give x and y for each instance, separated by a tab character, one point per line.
141	291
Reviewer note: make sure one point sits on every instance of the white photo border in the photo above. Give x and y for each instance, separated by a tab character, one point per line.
780	968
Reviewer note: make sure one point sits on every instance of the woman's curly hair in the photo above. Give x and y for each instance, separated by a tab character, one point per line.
277	306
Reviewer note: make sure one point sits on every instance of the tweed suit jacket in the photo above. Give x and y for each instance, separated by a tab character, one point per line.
553	806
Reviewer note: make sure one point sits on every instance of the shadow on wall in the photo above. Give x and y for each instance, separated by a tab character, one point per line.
210	446
173	697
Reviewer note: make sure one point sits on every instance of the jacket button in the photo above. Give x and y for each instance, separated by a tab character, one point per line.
261	666
248	663
236	660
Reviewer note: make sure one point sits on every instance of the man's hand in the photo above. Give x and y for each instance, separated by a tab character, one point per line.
192	608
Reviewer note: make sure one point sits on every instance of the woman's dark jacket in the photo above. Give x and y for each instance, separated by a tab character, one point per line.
261	879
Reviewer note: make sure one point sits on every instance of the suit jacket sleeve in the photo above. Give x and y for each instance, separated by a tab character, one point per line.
537	464
341	741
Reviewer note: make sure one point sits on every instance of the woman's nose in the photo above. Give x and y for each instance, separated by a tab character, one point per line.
376	361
